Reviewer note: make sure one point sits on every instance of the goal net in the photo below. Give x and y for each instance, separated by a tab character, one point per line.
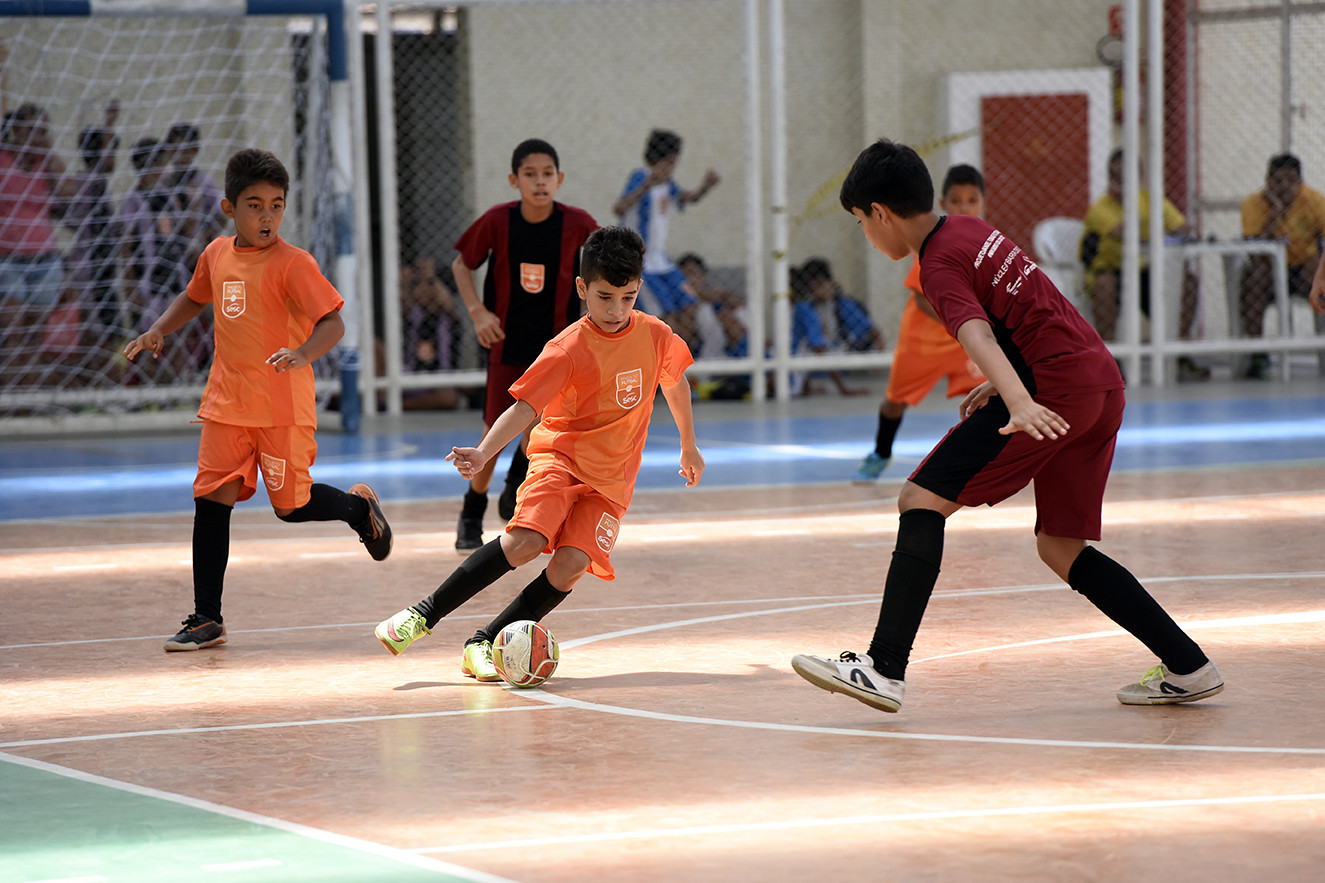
117	131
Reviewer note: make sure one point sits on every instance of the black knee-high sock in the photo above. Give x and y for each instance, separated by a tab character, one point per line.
326	503
474	505
887	432
906	591
535	601
481	569
211	553
1121	597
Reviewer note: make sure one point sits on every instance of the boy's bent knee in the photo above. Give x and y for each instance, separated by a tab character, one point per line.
522	545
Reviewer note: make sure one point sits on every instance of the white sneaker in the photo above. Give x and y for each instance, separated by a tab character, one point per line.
853	675
1159	686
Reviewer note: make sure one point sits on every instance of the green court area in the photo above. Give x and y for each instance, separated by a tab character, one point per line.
63	826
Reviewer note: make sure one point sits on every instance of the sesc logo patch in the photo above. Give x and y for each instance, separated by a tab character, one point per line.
233	299
273	472
630	388
608	530
531	277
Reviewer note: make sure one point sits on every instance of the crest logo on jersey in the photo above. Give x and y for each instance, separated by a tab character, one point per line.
273	472
233	299
608	530
531	277
630	388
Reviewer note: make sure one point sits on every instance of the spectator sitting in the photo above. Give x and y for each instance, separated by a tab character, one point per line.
1102	255
825	319
92	267
32	185
726	307
430	319
1290	212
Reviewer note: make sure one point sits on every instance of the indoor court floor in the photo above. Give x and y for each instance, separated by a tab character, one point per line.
674	741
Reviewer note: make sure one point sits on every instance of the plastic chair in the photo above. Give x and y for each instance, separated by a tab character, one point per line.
1057	243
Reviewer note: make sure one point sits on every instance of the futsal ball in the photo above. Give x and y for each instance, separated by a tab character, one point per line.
525	654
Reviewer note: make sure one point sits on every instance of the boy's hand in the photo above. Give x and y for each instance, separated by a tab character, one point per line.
1317	296
149	340
468	461
1035	420
487	327
286	359
976	399
692	466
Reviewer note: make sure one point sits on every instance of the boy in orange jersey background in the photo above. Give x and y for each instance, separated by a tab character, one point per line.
594	384
275	313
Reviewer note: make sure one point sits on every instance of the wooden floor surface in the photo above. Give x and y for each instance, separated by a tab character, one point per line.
675	742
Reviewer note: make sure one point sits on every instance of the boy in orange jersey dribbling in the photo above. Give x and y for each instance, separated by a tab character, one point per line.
594	385
275	313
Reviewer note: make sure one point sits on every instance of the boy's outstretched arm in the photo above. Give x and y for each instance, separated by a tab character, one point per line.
1025	414
512	422
181	310
678	401
326	333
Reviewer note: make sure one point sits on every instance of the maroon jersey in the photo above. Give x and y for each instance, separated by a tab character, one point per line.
969	270
530	284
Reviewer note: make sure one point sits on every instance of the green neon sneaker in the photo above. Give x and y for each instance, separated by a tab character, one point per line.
401	630
1159	686
477	662
870	468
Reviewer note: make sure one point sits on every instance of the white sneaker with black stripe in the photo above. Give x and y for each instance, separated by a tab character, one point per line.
1159	686
853	675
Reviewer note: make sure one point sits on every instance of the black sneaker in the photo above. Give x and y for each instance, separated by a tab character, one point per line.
373	531
1258	368
198	632
469	534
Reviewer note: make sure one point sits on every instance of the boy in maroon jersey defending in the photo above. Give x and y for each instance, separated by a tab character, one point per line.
1049	412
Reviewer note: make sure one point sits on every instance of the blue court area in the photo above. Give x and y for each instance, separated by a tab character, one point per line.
808	441
58	825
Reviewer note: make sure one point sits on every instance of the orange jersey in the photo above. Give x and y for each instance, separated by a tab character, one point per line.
263	299
926	334
595	391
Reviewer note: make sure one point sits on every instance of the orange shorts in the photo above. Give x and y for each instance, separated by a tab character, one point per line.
568	512
919	365
284	453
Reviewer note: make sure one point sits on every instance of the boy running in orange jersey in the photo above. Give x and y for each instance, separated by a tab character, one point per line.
274	314
926	352
594	384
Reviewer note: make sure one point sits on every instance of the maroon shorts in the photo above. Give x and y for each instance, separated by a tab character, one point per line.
500	378
974	465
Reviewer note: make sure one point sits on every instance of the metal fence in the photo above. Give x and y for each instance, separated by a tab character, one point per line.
777	97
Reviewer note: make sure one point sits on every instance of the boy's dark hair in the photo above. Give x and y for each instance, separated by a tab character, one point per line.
691	258
183	134
529	147
816	268
144	152
662	143
1284	161
613	254
894	176
94	142
252	166
963	174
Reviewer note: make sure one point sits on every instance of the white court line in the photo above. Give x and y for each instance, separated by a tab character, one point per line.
273	725
541	695
404	856
937	815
